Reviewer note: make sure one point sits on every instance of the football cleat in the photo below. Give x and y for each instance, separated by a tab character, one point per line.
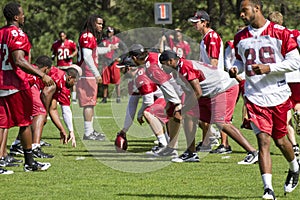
94	136
36	166
291	181
121	142
4	171
269	194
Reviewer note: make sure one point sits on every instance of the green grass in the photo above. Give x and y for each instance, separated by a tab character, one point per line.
93	170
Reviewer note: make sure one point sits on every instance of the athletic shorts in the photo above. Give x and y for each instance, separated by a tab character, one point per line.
270	120
295	89
16	109
111	74
87	89
170	107
63	97
38	106
218	109
158	110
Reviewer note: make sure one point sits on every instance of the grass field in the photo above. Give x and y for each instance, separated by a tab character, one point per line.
93	170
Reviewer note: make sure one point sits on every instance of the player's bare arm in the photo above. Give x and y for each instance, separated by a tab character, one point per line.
19	58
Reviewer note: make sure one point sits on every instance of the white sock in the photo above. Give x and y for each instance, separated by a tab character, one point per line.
16	142
294	166
73	95
35	145
267	180
88	128
162	139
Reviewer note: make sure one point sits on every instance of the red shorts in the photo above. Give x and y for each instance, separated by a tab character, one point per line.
38	106
158	110
218	109
16	109
63	97
295	89
87	89
111	74
170	107
270	120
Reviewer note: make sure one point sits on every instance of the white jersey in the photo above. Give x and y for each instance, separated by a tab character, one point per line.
271	45
212	80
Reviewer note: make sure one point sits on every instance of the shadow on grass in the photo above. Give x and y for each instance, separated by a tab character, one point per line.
183	196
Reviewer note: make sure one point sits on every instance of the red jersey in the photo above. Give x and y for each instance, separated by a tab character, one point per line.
114	40
63	50
87	40
11	76
296	35
187	70
211	46
182	48
143	83
62	93
154	72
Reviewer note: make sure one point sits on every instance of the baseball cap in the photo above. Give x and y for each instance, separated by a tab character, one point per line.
167	55
200	15
110	29
125	60
136	49
76	67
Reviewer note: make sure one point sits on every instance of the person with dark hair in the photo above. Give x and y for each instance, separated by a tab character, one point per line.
41	102
110	71
171	91
87	86
213	102
46	102
266	51
64	50
211	52
64	81
178	44
15	94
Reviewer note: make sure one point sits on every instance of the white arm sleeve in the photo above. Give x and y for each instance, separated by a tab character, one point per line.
290	63
229	57
67	116
88	59
130	111
103	50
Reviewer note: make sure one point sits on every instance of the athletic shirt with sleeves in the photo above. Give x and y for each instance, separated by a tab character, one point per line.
87	40
106	42
153	70
296	36
63	50
294	77
265	45
59	77
143	83
211	46
12	77
181	48
212	81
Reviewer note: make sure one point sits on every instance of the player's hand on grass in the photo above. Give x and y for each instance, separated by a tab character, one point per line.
72	139
140	120
63	138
